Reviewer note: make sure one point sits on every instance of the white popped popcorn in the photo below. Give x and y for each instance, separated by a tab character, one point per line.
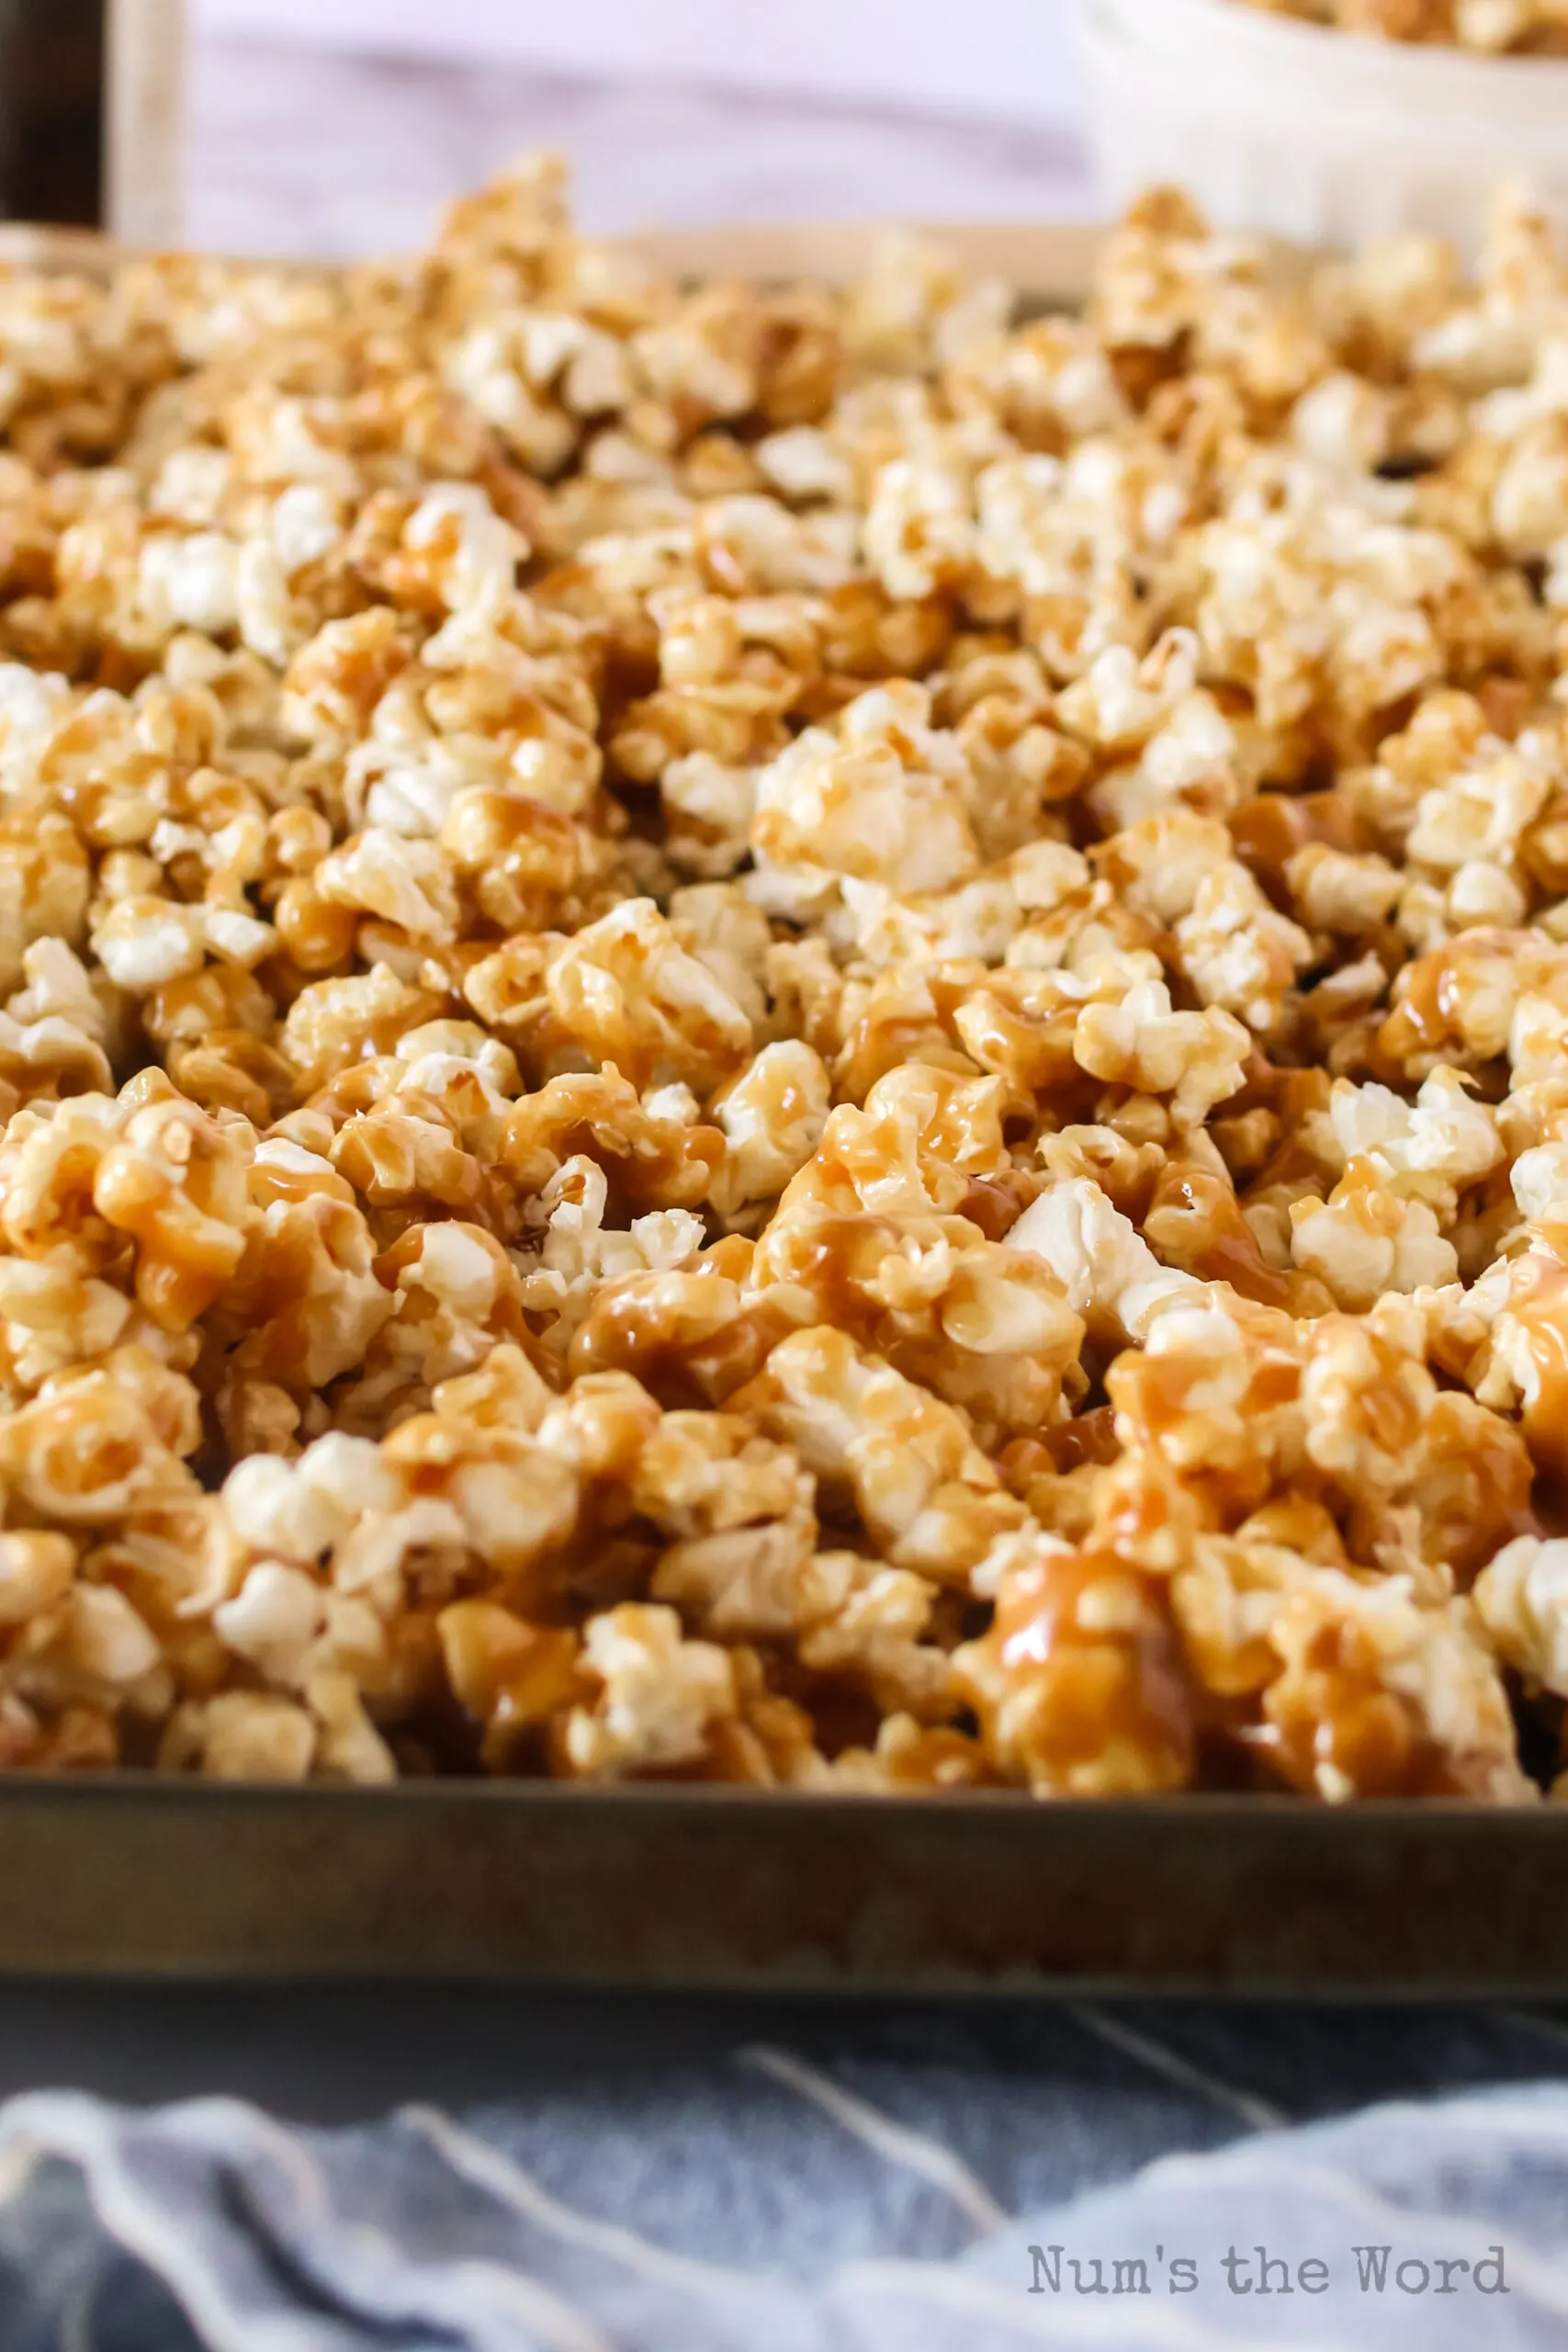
660	1694
1522	1600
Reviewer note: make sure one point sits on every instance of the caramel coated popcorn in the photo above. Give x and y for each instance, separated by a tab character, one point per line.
1490	27
811	1039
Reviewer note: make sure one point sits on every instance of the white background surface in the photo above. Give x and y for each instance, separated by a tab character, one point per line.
337	127
1012	59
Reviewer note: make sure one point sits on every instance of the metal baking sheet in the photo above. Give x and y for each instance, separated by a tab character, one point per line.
713	1888
723	1888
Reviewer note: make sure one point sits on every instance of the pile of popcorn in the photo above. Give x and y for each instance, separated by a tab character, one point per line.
1493	28
816	1039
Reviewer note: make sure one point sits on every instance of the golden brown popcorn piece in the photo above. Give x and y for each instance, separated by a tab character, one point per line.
654	1161
876	1629
627	991
773	1117
1195	1222
980	1325
1079	1684
335	1023
1362	1690
879	1445
883	800
740	1512
910	1756
305	1303
1213	1398
85	1450
148	1170
1509	1337
700	1474
1470	1486
522	860
1144	1044
332	685
514	1500
659	1702
1519	1599
456	1295
44	884
513	1677
1106	1272
926	1139
406	884
1489	27
903	1015
405	1166
690	1332
232	1070
86	1667
174	1182
722	689
435	554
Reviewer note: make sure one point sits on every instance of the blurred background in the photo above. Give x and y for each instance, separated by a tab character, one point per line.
338	126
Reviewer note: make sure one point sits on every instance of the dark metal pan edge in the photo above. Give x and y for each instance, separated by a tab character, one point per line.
713	1888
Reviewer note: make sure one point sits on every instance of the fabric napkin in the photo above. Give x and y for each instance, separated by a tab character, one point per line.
1086	2177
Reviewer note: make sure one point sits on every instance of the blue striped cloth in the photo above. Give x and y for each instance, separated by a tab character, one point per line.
916	2181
